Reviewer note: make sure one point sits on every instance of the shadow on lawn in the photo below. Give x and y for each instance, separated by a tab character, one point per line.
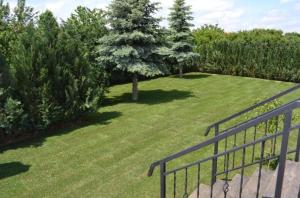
195	76
63	128
192	76
12	169
150	97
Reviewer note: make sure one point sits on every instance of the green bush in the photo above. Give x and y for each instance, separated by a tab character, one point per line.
48	68
268	54
12	115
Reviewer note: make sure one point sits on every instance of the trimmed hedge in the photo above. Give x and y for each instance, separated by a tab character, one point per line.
268	54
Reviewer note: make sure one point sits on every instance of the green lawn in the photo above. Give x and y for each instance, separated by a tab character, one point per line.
108	153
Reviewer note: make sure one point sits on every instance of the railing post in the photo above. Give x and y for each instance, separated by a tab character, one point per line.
215	160
162	180
298	148
283	154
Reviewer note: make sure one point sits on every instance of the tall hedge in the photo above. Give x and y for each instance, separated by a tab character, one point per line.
47	70
269	54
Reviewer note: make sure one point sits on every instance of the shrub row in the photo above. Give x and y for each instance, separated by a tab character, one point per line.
268	54
48	72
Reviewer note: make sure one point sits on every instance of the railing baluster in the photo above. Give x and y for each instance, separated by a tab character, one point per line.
233	155
213	176
243	164
214	163
215	160
186	184
198	182
226	143
298	148
245	136
174	192
283	154
266	127
275	140
162	180
262	152
226	185
254	138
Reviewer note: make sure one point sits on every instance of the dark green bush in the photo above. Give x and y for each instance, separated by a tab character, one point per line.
268	54
47	70
12	115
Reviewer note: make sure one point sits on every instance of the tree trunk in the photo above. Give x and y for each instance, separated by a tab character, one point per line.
180	72
135	91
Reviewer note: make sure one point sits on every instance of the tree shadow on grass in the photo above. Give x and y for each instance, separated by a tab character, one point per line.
195	76
151	97
12	169
66	127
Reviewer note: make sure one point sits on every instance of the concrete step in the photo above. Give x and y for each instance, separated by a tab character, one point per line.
250	189
291	182
205	190
234	186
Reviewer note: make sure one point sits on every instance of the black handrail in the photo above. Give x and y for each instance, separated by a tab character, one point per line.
257	117
264	117
263	139
251	108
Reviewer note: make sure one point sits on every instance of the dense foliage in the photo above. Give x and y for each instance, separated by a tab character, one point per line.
133	43
258	53
52	72
181	50
48	71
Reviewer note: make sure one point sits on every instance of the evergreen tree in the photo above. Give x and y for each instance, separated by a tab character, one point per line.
133	44
32	70
181	52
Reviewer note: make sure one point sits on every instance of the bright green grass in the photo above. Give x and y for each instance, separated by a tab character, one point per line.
109	155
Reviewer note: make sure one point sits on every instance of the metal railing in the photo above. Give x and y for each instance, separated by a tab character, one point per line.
236	115
255	136
216	126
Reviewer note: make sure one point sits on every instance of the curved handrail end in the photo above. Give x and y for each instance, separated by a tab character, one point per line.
208	130
152	167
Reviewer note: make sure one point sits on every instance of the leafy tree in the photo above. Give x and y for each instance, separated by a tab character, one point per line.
85	82
4	44
133	44
23	15
88	26
3	67
181	52
4	14
204	37
82	84
17	22
12	116
294	36
50	71
207	33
